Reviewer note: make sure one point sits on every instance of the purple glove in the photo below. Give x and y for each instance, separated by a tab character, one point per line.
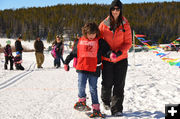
113	56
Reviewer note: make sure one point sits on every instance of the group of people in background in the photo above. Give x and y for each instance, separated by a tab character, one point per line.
104	47
57	47
56	51
17	60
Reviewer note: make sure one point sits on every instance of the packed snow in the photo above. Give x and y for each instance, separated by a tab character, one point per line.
51	93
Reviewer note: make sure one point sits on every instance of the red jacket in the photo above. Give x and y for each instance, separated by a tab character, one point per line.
119	40
87	54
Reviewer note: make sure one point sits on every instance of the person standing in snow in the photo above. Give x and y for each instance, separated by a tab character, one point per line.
18	46
39	49
59	47
88	50
115	29
18	61
8	55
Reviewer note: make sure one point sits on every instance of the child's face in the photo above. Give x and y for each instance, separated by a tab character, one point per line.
91	36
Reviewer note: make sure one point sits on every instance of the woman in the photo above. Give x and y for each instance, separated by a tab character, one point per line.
115	30
58	45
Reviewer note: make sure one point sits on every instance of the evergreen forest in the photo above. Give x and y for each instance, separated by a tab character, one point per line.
159	21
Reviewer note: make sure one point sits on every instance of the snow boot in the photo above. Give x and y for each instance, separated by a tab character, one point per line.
106	106
21	67
117	114
5	66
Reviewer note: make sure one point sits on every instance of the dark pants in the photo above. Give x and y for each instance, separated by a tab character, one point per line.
7	58
57	62
113	80
19	67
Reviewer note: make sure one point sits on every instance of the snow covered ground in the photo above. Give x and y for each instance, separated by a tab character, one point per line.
50	93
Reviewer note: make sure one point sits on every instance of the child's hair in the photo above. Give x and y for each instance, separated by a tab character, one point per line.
57	36
90	28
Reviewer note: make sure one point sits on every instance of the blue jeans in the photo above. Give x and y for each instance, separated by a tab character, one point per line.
82	80
57	60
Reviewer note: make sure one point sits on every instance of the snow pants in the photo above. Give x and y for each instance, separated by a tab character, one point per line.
113	82
8	58
57	62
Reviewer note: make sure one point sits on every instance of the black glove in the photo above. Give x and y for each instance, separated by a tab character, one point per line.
118	53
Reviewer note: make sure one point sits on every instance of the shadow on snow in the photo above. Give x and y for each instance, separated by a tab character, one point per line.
142	114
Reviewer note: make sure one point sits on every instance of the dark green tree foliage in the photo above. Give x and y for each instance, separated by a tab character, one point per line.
159	21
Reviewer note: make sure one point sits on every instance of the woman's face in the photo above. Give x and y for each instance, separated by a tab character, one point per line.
115	12
91	36
58	40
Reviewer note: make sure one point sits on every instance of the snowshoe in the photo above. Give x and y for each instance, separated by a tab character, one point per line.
96	113
81	106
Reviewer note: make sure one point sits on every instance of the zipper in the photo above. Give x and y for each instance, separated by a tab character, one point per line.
113	37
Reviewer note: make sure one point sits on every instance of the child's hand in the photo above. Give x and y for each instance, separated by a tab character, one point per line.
66	67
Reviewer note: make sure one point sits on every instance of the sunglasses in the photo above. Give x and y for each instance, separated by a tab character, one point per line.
117	9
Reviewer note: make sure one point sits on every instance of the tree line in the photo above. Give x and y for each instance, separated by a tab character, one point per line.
160	22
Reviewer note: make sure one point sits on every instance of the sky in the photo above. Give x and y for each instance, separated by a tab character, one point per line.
14	4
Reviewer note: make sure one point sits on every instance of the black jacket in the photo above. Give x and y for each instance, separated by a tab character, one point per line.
103	50
59	48
39	46
18	46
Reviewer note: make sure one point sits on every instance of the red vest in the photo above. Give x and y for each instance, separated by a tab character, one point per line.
87	54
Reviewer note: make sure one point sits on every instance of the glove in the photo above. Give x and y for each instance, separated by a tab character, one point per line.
66	67
119	53
113	56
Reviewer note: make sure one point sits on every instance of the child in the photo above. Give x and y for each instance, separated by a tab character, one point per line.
88	50
57	47
18	61
8	55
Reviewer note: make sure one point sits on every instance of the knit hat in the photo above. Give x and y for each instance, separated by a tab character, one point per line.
117	3
8	42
